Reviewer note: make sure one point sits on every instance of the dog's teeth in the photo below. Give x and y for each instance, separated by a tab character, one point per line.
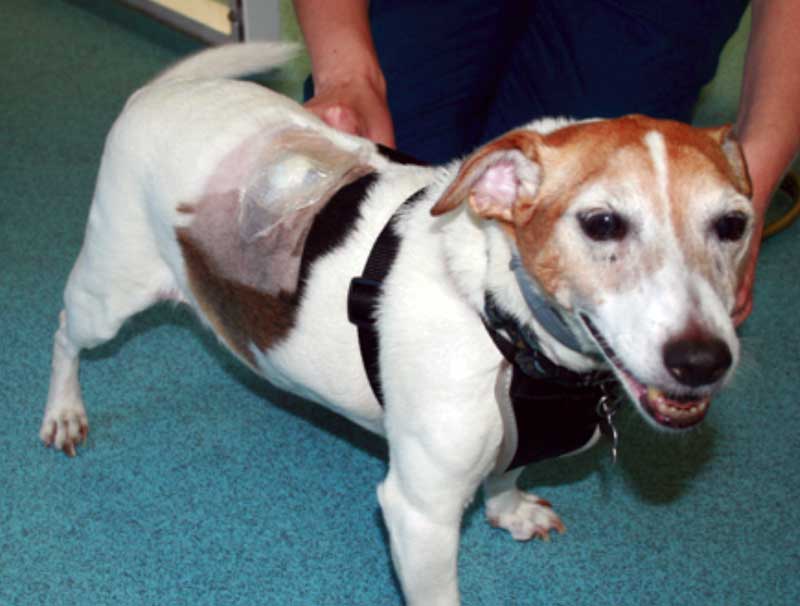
680	411
655	396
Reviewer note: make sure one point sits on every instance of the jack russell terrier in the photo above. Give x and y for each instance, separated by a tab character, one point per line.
506	294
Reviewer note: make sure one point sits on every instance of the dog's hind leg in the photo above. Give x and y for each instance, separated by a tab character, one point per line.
65	423
523	514
112	280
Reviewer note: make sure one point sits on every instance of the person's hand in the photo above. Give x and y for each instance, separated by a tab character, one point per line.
761	176
355	107
766	168
768	125
744	297
349	87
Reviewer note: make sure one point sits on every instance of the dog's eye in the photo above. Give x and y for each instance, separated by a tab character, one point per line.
730	227
602	225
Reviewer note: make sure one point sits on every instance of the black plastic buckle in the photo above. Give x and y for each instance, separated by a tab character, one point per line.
361	298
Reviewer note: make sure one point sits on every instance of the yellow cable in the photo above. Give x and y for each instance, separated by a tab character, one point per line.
791	187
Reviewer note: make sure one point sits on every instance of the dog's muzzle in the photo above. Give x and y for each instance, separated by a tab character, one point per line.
699	364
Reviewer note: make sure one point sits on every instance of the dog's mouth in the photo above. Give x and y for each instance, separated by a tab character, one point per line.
668	410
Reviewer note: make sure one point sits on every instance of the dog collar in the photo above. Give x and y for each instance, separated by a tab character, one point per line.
521	347
547	316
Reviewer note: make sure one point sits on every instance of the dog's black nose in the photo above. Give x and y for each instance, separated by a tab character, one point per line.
697	361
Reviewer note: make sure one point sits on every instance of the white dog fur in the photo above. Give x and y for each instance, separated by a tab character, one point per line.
635	229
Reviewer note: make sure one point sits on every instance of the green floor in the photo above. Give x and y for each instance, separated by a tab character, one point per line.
202	485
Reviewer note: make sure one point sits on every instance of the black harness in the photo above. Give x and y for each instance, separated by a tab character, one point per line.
553	410
548	410
362	297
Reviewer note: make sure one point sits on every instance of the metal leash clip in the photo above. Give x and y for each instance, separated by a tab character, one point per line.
607	407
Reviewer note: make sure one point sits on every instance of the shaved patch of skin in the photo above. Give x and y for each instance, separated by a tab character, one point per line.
261	150
244	246
236	304
269	263
247	291
240	313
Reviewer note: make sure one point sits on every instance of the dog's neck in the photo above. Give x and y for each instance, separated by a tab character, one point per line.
545	313
480	258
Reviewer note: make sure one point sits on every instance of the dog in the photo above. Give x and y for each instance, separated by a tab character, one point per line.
581	247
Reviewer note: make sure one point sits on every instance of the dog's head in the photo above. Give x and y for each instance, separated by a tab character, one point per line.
637	229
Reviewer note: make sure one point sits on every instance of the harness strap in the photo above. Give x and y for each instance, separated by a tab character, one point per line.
364	291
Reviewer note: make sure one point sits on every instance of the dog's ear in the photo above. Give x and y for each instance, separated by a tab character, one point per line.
725	137
496	176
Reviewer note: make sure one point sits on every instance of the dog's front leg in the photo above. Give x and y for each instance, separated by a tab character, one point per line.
423	499
424	548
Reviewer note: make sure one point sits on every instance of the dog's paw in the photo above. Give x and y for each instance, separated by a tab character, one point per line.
65	428
526	516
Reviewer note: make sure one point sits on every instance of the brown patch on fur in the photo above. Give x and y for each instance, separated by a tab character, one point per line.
549	271
570	160
704	159
615	151
720	148
734	157
612	152
245	289
239	313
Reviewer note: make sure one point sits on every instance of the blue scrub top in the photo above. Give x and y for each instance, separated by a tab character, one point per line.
460	72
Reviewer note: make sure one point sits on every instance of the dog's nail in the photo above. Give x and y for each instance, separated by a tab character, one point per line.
544	535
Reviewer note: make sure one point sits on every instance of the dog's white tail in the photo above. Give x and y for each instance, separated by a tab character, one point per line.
231	61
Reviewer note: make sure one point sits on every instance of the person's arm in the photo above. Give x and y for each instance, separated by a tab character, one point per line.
768	124
349	87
